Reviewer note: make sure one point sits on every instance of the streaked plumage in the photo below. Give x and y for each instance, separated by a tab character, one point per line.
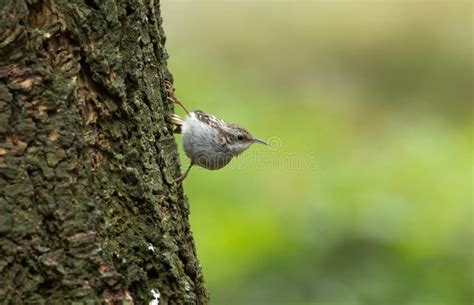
211	142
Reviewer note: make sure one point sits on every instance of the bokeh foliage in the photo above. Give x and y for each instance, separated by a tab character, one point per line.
380	94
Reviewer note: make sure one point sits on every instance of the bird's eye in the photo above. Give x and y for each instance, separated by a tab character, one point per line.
240	137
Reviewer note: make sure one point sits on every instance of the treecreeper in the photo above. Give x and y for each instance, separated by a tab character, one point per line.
208	141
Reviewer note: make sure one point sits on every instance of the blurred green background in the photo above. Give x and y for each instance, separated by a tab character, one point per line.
365	195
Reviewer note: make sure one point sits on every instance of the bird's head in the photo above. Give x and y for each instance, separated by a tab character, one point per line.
239	139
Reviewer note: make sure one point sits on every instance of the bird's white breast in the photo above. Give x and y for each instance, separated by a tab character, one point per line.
203	144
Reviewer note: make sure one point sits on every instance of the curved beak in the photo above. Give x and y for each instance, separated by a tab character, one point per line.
255	140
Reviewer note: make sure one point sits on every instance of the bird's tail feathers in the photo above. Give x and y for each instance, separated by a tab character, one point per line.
177	122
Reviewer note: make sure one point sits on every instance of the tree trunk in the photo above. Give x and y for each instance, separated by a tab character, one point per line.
89	211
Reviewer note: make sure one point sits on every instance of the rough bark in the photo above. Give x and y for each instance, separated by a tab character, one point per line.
89	212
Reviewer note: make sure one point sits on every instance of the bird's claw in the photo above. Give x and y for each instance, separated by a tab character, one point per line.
170	89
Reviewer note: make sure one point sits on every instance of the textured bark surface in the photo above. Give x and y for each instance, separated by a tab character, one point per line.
89	212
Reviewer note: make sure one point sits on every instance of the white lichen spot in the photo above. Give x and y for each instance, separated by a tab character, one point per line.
155	294
151	247
187	286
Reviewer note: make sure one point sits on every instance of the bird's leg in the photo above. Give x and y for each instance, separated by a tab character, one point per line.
184	175
172	96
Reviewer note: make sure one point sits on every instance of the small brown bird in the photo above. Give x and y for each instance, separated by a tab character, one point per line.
207	140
